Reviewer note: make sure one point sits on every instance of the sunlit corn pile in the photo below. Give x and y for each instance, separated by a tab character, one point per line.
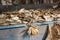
29	16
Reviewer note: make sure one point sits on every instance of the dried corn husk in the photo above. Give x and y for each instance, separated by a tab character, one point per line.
29	16
32	31
54	32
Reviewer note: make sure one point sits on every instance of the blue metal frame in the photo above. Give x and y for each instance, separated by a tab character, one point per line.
12	26
21	25
11	34
47	22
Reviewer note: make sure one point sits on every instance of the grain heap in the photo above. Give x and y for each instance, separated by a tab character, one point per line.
29	16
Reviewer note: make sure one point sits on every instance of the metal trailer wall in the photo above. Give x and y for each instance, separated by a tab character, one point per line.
21	33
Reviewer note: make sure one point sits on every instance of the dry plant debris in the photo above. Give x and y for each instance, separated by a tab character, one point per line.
29	16
54	32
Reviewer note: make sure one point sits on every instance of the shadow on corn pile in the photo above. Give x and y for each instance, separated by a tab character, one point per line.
28	6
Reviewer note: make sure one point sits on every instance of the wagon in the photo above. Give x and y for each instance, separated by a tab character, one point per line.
19	31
